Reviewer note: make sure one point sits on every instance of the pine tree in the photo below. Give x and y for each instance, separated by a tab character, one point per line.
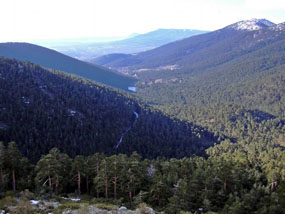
2	165
78	170
134	173
95	165
13	161
117	171
51	169
102	178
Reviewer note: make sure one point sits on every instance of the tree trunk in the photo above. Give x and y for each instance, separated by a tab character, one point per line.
225	184
87	184
49	182
56	184
14	180
106	188
78	183
97	171
115	187
131	198
2	179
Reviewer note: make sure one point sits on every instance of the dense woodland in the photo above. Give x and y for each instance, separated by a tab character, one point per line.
42	109
233	179
233	84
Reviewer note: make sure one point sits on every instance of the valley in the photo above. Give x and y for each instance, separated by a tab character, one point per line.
196	125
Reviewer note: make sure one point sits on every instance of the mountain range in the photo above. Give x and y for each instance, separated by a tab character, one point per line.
203	68
214	79
219	46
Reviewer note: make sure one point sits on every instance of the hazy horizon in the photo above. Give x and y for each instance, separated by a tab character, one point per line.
28	20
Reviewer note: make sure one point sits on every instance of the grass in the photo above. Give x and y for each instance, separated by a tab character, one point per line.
105	206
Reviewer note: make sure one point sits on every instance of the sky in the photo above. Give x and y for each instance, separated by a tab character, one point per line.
24	20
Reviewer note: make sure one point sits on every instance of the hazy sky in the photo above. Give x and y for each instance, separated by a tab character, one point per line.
43	19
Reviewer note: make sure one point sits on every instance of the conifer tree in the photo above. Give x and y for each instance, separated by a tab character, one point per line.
52	169
78	170
2	165
13	161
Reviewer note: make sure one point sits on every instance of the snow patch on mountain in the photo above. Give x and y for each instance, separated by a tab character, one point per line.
251	25
278	27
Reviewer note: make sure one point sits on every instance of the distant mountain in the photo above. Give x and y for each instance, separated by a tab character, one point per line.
197	52
55	60
70	42
42	109
135	43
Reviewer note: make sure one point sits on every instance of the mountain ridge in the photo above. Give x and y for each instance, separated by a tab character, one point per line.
192	51
55	60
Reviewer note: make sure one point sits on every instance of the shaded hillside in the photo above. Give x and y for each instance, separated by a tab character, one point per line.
55	60
41	109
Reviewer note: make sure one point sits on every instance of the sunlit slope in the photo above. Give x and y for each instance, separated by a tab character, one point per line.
55	60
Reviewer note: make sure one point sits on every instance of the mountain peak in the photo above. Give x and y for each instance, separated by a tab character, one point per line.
278	27
250	25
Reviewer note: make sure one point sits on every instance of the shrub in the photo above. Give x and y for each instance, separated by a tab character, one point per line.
8	201
24	207
105	206
26	194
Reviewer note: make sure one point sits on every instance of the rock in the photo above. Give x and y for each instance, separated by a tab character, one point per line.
146	210
51	204
34	202
158	81
122	208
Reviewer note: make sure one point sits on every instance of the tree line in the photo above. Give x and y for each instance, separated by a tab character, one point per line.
230	180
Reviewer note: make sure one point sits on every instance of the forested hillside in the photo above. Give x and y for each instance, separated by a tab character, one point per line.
243	99
42	109
55	60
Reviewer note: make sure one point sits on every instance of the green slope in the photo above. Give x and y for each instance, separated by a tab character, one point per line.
52	59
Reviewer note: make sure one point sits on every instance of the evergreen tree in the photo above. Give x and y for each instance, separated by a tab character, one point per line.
52	169
2	165
13	161
79	171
